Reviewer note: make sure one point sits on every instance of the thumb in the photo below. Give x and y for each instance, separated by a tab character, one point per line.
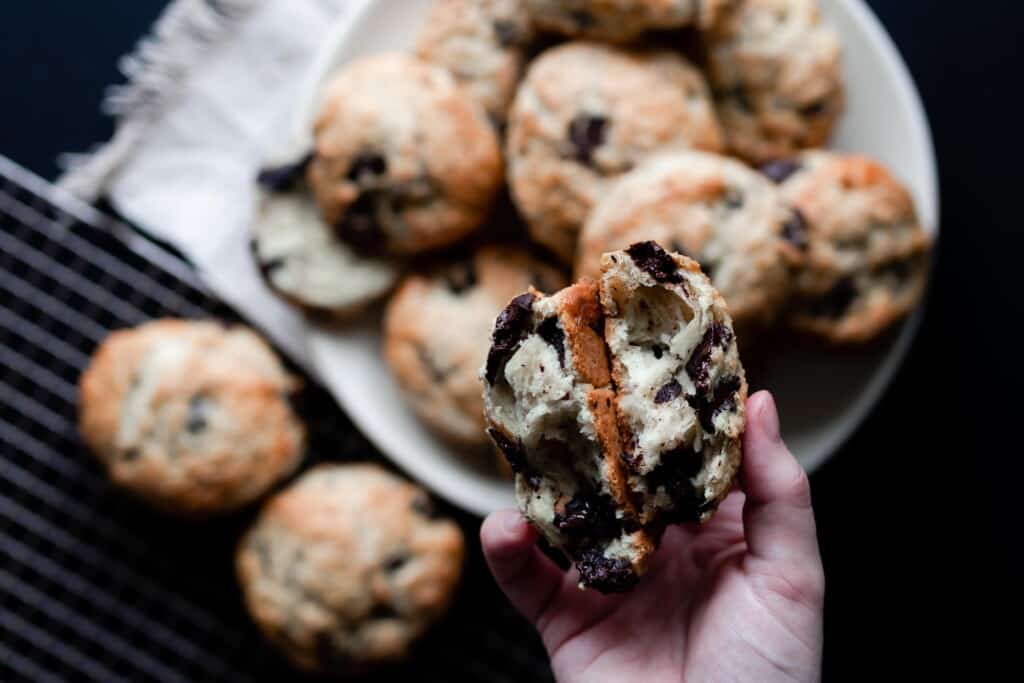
777	516
528	578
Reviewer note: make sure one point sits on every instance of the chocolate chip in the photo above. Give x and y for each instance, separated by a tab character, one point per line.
588	516
423	505
198	413
655	261
396	562
814	109
553	554
506	32
606	574
359	225
460	277
700	360
552	333
898	270
367	166
740	96
582	19
722	398
285	177
512	450
658	350
733	198
780	169
509	329
268	267
668	392
834	303
382	611
795	229
587	133
673	474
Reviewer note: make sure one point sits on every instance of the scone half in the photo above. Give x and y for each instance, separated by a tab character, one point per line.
680	387
550	408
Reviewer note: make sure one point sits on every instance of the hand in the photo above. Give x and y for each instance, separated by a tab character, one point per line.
736	599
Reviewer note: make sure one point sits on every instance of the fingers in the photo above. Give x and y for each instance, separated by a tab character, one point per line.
529	580
777	516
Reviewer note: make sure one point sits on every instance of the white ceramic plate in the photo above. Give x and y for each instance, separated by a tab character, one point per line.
822	395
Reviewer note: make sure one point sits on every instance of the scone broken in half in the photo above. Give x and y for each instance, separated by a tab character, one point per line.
619	405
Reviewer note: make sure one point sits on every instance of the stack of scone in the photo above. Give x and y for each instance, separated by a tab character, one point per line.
706	144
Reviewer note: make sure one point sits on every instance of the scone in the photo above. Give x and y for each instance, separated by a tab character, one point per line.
867	256
436	329
550	406
620	20
348	567
776	71
192	416
483	44
726	216
681	389
404	159
587	113
301	257
620	407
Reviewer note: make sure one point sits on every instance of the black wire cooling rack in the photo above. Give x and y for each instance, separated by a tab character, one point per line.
93	585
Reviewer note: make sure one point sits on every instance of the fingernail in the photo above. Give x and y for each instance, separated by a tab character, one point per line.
511	522
770	416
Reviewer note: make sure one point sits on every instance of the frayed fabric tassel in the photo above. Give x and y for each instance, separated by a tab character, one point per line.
155	70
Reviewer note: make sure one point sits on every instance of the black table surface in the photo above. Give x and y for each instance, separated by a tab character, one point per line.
917	515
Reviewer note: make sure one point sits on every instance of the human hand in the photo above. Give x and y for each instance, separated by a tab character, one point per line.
737	599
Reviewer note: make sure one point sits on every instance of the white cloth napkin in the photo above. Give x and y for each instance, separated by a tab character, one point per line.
208	95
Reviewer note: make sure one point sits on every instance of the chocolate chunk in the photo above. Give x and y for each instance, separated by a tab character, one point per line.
383	611
552	333
359	225
587	133
512	450
198	414
367	166
582	19
423	505
677	468
722	398
396	562
780	169
509	329
506	32
553	554
898	270
814	109
834	303
655	261
700	360
740	96
733	198
460	277
606	574
285	177
795	229
588	516
668	392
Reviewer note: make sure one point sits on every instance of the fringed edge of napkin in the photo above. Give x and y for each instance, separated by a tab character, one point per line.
155	70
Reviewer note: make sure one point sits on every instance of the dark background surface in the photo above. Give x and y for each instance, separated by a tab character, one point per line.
919	514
